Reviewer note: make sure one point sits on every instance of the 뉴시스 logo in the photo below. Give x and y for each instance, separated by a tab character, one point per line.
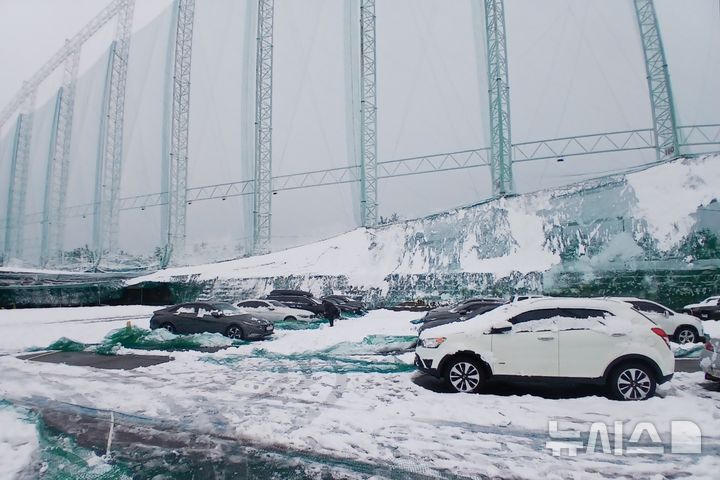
685	437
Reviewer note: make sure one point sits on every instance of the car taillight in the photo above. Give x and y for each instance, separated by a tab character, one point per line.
661	333
709	347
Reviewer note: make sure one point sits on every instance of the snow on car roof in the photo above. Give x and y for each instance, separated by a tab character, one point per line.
498	316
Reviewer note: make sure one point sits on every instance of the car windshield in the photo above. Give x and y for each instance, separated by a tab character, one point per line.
227	308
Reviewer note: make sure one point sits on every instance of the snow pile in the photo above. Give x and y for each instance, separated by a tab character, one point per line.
18	443
668	195
524	234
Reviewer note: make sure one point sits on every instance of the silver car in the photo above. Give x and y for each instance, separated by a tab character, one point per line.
710	360
275	311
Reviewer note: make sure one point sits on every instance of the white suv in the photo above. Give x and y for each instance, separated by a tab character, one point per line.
569	339
680	327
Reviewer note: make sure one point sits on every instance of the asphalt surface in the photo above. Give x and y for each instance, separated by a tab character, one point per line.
89	359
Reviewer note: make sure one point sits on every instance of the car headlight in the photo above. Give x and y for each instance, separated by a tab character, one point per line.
432	342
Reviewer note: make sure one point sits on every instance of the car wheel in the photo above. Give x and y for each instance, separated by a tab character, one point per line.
290	319
632	381
169	327
464	375
235	332
686	335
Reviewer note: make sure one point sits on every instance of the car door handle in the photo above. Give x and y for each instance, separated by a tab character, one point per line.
546	339
618	334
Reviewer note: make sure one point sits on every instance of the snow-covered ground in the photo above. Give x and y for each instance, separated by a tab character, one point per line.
39	327
18	443
327	391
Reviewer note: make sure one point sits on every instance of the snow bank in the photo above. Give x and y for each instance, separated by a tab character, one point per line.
19	444
669	194
39	327
522	234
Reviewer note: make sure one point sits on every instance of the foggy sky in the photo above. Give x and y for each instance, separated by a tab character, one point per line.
575	68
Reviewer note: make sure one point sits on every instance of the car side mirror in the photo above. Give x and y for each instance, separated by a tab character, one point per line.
503	329
271	308
216	314
666	314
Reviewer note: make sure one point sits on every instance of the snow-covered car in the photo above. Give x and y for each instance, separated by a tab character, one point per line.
274	311
708	309
710	360
464	308
211	317
520	298
573	340
680	327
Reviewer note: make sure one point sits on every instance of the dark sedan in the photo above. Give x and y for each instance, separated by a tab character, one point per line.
452	318
708	309
215	317
303	302
346	304
464	308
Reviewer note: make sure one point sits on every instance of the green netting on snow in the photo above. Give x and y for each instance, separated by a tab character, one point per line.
374	345
311	362
62	344
143	339
299	325
149	456
161	339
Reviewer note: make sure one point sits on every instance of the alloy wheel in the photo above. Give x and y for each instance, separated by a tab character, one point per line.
234	333
634	384
464	377
686	336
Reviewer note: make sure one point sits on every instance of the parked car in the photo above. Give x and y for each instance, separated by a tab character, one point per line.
302	302
274	311
680	327
708	309
520	298
463	308
211	317
294	293
346	304
571	340
411	306
710	360
452	318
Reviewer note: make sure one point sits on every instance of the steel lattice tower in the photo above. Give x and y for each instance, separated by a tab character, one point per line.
178	155
56	181
368	116
262	211
107	186
14	230
499	90
658	77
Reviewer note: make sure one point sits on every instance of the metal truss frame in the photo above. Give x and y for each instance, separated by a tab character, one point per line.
180	128
658	78
109	175
262	205
368	116
499	98
56	182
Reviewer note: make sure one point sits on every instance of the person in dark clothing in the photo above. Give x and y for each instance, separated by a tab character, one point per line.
332	312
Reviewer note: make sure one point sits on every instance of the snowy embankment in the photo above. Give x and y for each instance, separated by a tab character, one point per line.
326	391
18	443
523	234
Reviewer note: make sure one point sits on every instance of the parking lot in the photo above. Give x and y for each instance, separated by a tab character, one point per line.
346	393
